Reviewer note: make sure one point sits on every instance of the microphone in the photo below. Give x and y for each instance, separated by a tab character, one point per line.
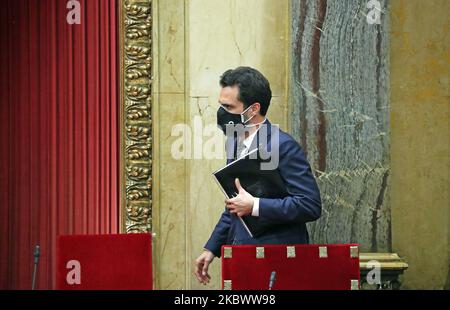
36	254
273	277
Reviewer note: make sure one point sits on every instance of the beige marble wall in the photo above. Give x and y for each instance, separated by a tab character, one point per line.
195	42
169	175
221	36
420	66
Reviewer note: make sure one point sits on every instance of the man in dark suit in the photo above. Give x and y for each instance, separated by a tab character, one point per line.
244	100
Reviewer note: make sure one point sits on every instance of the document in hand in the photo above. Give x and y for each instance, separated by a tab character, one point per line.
258	182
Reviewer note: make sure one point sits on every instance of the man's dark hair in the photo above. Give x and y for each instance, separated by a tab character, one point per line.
253	86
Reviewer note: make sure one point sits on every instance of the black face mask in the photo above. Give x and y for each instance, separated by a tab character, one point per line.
225	118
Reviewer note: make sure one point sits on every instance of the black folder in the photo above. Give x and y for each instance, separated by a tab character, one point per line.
258	182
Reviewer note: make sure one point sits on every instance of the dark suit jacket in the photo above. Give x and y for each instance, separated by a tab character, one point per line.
285	219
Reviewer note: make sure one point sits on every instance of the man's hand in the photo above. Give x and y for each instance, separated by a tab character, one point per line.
202	264
242	204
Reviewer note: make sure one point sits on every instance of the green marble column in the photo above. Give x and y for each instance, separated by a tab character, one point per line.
340	115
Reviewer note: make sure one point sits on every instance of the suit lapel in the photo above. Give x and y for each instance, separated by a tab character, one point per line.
230	146
261	140
262	137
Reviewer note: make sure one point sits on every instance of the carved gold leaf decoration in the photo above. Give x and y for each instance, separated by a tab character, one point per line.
137	92
137	173
136	71
138	132
136	31
139	218
136	53
137	11
138	192
138	152
138	112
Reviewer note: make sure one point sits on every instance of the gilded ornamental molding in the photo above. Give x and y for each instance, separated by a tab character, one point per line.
136	123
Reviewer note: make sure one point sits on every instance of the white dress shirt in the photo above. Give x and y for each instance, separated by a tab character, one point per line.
247	143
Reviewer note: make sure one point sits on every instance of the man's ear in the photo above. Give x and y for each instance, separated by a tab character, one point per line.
257	107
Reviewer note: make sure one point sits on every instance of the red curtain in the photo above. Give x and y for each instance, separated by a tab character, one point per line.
58	130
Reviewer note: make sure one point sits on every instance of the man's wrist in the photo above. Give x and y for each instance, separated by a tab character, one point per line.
206	250
255	208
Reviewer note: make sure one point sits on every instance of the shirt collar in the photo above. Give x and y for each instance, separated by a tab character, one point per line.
248	141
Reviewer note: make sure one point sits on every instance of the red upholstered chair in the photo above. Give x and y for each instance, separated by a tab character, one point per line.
104	262
297	267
